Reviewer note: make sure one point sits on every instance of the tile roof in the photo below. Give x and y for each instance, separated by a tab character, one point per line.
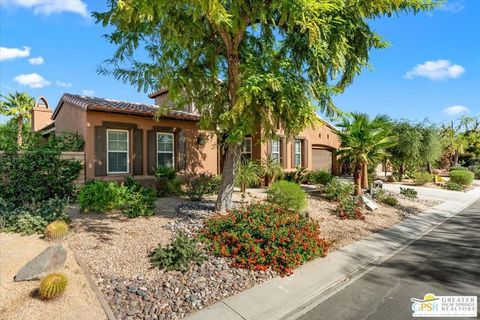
108	105
157	93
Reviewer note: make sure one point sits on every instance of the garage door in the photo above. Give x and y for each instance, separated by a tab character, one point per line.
322	159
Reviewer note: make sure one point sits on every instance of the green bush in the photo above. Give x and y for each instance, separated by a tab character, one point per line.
66	141
168	182
449	185
315	177
338	189
140	202
201	184
288	195
261	236
177	256
296	176
458	168
350	208
477	173
386	197
248	175
409	193
390	200
100	196
462	177
421	178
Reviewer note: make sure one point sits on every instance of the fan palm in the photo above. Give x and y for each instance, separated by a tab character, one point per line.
17	105
248	173
364	141
272	169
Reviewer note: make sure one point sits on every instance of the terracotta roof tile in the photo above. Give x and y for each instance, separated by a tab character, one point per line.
108	105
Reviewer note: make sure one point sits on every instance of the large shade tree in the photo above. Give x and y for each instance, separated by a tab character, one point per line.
246	64
18	106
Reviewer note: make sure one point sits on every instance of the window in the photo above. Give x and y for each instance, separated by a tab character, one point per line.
298	153
165	150
117	151
275	152
247	150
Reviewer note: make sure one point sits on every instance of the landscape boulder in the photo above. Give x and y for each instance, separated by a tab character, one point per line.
50	260
369	203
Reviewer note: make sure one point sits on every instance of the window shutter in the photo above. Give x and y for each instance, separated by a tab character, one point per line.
151	152
283	152
181	148
305	153
137	151
293	153
100	151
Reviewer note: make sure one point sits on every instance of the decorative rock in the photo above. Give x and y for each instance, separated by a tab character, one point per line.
370	204
51	259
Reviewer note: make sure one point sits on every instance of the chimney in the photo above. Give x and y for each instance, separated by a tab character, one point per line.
41	114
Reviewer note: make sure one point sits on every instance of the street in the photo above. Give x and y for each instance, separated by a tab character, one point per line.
446	261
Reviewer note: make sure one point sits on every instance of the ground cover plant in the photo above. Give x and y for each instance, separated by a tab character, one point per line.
318	177
409	192
199	185
450	185
288	195
385	197
350	208
178	255
167	181
261	236
338	189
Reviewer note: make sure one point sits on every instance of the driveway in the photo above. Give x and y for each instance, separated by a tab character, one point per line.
445	262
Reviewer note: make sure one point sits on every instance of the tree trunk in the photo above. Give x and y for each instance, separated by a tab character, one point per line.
357	177
230	165
455	159
429	167
401	171
20	131
364	175
385	164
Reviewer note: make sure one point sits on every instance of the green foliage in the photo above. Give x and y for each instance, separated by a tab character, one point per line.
139	202
53	285
17	105
350	208
272	169
168	182
462	177
390	200
35	176
421	178
288	195
248	174
56	230
296	176
449	185
458	168
177	256
385	197
201	184
316	177
99	196
409	193
338	189
261	236
66	141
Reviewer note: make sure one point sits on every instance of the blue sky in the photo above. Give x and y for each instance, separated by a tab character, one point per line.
431	70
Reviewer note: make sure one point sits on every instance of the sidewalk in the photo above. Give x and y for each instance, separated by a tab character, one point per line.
283	298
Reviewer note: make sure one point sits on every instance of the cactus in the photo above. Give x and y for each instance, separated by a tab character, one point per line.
52	286
56	230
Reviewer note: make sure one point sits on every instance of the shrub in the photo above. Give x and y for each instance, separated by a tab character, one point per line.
421	178
391	178
131	184
56	230
167	181
458	168
288	195
350	208
53	285
66	141
390	200
296	176
261	236
338	189
202	184
409	193
178	255
477	173
321	177
248	174
100	196
385	197
139	202
272	169
449	185
462	177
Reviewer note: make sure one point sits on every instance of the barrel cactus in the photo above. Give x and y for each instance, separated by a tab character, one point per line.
52	285
56	230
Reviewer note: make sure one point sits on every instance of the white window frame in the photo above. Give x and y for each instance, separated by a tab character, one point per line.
163	152
277	141
298	152
127	152
243	145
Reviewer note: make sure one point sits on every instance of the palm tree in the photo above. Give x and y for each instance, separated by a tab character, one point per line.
18	106
272	169
364	141
248	173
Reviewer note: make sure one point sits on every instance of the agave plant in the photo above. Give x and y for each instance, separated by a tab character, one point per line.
248	173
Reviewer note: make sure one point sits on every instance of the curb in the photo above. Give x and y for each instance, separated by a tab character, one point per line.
105	306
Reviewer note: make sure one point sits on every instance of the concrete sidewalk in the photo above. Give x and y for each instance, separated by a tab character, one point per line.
431	193
282	298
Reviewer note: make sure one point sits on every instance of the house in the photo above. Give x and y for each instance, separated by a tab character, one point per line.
123	138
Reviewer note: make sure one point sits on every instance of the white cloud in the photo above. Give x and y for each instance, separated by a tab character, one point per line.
13	53
37	60
436	70
33	80
452	6
63	84
48	7
454	110
89	93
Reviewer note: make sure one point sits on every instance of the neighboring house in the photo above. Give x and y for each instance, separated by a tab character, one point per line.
123	138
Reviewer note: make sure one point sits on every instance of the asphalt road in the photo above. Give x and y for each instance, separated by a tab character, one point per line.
446	261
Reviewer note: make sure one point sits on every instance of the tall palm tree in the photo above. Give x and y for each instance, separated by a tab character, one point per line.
364	141
17	105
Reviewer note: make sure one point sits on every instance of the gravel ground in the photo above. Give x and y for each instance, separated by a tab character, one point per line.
17	301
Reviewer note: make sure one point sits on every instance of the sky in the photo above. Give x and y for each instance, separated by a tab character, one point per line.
431	70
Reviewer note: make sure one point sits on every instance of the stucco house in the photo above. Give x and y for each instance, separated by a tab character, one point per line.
122	138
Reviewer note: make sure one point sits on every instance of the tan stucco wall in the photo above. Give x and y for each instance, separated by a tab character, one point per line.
41	117
71	118
198	158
